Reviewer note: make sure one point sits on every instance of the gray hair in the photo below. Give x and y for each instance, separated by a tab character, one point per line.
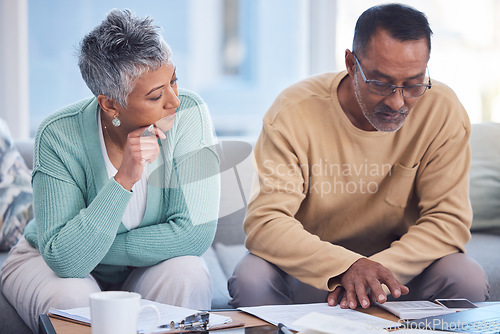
119	50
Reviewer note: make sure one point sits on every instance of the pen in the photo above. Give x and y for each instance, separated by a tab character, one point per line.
284	329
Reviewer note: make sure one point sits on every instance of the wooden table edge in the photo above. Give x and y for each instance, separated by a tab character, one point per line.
50	325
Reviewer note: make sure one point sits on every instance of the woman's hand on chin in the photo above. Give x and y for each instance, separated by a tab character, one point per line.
141	147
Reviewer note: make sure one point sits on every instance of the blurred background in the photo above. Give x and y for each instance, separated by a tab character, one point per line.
237	54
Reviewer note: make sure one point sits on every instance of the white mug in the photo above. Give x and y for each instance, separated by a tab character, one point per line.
117	312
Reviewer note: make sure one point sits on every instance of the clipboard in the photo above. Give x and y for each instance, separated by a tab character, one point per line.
228	325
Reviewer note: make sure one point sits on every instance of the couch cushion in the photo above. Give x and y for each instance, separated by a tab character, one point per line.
236	182
16	195
25	147
219	280
229	256
485	177
484	248
10	321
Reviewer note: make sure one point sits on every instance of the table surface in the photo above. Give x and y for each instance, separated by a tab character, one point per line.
62	326
57	326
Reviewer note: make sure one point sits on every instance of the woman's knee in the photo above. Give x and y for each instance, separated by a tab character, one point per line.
185	281
68	293
194	274
177	275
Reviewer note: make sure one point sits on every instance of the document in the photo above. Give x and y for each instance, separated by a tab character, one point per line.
329	324
318	323
146	318
288	314
415	309
421	331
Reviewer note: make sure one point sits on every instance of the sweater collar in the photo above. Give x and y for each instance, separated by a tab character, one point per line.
96	160
92	144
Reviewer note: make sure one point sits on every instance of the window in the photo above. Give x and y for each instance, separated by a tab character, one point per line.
221	50
465	47
237	54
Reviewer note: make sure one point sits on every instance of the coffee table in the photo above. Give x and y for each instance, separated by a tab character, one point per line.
49	325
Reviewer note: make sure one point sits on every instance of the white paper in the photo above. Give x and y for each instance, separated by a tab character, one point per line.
287	314
420	331
147	317
315	322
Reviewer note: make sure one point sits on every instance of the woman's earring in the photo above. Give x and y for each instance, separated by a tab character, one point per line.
116	122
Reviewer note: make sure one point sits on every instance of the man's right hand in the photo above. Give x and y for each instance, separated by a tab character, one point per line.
363	282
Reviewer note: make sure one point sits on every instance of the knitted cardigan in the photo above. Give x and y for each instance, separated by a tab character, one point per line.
78	209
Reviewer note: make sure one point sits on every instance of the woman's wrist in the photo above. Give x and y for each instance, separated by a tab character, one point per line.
126	185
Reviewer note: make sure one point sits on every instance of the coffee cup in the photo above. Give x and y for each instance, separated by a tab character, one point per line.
117	312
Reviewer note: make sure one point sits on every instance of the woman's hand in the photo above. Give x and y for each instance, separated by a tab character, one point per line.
141	147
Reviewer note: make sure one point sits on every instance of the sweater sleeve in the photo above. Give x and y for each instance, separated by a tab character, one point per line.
191	218
73	237
419	213
442	186
273	232
191	198
76	231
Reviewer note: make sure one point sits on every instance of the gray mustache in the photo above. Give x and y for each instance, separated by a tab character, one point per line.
387	110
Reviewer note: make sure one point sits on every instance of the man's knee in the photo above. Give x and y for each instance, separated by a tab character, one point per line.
256	282
459	276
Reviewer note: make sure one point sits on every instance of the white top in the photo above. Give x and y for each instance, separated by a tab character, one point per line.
136	207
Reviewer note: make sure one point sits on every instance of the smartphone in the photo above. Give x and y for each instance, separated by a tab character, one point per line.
458	304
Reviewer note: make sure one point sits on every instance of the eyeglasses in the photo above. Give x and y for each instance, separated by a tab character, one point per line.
385	89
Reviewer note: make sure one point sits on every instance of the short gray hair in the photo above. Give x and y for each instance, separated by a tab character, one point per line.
119	50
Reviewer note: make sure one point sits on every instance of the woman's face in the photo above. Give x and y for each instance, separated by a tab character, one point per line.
154	97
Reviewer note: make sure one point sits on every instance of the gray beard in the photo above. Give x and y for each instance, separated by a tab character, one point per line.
371	117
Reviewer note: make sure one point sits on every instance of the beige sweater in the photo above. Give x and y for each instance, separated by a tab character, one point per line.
329	193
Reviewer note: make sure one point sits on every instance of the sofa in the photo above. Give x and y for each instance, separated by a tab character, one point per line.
236	177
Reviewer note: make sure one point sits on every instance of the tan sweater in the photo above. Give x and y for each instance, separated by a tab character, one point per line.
329	193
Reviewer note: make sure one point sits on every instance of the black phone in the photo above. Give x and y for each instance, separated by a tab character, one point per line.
456	303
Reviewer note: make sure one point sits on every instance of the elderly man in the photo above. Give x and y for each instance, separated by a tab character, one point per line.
363	181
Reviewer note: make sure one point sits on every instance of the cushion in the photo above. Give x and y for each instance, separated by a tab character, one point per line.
485	177
484	248
229	256
25	147
10	321
236	181
16	195
219	280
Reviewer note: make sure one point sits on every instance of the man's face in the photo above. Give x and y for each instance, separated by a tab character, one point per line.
390	61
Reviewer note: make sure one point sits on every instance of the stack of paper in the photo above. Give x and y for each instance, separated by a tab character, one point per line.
288	314
320	323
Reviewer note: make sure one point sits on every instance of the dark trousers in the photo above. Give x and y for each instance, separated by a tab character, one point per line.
258	282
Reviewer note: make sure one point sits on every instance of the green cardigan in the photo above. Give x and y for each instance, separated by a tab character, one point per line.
78	209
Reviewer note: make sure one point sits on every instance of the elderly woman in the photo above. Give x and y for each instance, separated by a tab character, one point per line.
126	185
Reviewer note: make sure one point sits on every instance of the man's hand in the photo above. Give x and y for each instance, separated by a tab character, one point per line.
362	282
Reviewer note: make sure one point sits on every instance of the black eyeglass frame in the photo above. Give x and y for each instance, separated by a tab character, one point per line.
391	86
